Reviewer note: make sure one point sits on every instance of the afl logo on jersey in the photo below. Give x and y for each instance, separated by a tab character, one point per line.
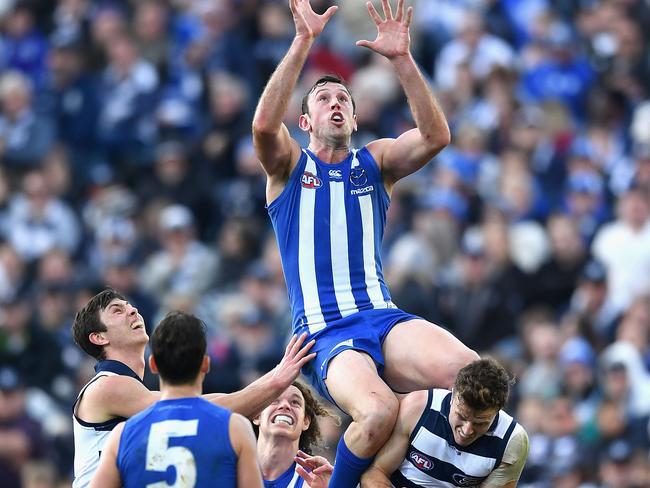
358	176
310	180
421	461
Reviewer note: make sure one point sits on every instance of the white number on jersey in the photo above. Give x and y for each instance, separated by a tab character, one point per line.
160	456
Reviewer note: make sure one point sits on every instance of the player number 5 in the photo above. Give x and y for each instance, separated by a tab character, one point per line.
160	456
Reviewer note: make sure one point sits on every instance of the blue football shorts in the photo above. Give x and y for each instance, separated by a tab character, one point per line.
363	331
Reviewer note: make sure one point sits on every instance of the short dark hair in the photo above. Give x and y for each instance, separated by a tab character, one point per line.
483	385
87	321
321	81
178	345
313	409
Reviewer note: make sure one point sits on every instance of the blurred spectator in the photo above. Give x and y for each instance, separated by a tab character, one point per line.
21	437
183	264
40	222
552	284
623	246
70	97
25	136
26	48
128	89
590	302
481	50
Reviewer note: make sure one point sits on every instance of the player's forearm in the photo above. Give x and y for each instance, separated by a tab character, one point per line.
375	478
427	113
251	400
277	93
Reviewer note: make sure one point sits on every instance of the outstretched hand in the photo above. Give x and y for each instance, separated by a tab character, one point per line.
295	357
315	470
393	39
308	23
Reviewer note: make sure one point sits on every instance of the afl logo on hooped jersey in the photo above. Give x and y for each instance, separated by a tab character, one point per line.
421	461
310	180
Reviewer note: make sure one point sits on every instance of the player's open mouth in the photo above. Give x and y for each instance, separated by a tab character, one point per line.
337	117
137	325
285	419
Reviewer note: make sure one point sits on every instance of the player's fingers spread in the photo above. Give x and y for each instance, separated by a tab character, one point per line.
373	13
330	11
388	13
306	359
292	341
323	469
400	11
409	16
367	44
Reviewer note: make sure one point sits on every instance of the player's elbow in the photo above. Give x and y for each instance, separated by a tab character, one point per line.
263	127
439	140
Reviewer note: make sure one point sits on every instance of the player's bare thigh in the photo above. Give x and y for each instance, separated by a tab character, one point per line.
421	355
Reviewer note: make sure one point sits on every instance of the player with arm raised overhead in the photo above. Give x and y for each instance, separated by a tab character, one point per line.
112	331
328	205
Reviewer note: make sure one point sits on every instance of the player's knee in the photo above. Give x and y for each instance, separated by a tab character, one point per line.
378	418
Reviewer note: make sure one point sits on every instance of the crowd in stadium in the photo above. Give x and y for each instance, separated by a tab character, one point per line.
127	161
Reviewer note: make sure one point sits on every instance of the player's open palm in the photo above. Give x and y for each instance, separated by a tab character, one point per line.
295	357
308	23
393	37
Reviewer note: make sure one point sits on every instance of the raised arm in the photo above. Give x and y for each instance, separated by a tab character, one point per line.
392	454
274	146
259	394
413	149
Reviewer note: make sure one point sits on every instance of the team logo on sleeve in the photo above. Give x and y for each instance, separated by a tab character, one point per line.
310	180
358	176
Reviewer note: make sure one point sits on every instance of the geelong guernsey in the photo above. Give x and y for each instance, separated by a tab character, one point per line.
183	442
329	222
434	459
89	437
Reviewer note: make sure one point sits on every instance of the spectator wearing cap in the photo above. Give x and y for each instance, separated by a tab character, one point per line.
623	246
591	304
585	202
577	362
183	265
471	306
21	437
615	468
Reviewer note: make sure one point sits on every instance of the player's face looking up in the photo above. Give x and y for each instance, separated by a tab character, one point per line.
331	113
285	416
468	424
124	325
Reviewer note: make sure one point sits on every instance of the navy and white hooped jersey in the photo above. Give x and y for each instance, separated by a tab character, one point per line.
90	437
329	222
433	458
289	479
183	442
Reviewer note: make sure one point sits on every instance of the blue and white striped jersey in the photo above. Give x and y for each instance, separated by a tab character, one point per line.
289	479
329	222
433	458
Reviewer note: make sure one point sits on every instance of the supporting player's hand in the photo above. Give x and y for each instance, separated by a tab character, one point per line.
295	357
308	23
393	39
315	470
